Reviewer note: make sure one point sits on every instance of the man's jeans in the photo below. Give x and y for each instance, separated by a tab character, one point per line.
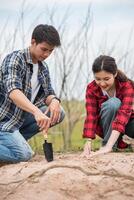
108	113
13	146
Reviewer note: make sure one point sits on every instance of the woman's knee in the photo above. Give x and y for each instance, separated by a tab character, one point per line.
112	104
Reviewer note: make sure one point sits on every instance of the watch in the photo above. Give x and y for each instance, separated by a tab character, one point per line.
56	99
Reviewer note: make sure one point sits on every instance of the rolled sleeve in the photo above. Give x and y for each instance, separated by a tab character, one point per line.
125	111
90	124
118	126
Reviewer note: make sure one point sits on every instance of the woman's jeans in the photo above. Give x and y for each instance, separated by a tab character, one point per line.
108	112
13	146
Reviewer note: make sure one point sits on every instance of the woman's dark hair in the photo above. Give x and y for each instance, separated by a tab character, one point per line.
46	33
108	64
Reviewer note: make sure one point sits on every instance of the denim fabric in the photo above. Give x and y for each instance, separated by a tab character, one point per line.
14	148
108	112
30	127
129	131
13	145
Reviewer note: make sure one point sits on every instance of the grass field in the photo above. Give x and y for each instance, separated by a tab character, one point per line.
55	136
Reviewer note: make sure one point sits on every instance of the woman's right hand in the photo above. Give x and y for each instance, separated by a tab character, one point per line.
42	120
87	150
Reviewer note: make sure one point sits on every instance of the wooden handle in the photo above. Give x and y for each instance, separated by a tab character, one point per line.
45	136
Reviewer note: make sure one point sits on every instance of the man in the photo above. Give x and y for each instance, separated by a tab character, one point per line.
28	103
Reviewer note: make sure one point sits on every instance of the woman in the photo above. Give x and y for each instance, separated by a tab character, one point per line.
109	101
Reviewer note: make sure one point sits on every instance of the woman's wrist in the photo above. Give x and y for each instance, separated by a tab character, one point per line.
109	147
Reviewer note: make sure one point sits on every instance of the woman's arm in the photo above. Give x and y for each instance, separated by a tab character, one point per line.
87	148
108	147
112	139
92	114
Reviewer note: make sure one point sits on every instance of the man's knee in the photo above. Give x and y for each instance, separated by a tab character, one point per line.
62	115
21	157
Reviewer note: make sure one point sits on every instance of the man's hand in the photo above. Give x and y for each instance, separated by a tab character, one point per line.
42	120
54	109
87	150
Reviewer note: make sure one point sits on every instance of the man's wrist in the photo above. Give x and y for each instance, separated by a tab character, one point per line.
35	110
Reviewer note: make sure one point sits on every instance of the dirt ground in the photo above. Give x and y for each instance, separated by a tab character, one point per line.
69	177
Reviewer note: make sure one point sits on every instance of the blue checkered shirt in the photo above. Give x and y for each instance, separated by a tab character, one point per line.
16	73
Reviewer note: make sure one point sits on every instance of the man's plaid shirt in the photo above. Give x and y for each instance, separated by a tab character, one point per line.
15	73
94	99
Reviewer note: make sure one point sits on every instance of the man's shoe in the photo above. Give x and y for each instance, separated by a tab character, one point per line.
4	163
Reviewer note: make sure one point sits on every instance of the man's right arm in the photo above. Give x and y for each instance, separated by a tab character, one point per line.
21	101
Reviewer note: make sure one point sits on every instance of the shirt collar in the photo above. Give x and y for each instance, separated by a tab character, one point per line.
106	94
28	56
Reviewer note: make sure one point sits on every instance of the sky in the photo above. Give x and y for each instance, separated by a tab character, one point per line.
112	22
111	18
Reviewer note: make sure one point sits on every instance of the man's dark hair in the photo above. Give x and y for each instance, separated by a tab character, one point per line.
46	33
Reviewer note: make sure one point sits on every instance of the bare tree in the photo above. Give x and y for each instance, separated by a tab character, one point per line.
70	62
71	66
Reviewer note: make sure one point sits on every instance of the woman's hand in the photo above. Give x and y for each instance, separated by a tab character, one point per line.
102	150
87	150
108	147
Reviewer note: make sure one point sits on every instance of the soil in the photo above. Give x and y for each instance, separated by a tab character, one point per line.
69	177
